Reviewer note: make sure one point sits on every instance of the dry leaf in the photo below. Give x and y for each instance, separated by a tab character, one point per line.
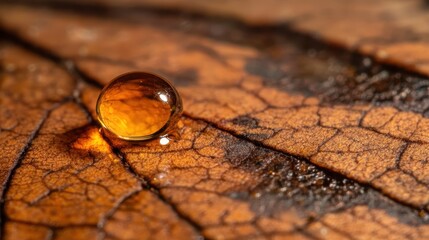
274	142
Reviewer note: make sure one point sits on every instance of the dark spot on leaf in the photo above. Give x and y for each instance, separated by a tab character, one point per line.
187	77
263	68
246	121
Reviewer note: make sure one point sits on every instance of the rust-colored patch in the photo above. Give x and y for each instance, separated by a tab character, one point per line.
254	159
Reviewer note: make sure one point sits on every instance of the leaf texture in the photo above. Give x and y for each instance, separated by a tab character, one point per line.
274	143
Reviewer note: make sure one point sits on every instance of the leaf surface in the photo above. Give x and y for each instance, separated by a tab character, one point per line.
274	143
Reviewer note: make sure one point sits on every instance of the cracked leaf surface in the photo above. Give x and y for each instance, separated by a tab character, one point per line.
241	167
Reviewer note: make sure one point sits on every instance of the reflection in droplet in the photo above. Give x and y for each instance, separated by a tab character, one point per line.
163	97
164	140
139	106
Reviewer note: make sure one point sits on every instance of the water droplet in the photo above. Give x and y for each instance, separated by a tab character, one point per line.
164	140
139	106
161	179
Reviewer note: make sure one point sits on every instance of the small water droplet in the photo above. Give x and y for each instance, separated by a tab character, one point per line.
162	179
160	176
164	140
139	106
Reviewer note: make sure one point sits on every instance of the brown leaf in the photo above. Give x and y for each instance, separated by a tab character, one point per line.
66	177
241	166
398	32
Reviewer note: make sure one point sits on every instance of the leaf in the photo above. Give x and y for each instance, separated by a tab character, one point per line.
394	37
65	182
267	149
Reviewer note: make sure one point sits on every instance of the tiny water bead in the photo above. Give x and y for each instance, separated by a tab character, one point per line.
138	106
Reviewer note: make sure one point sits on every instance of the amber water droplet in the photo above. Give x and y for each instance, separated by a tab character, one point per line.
139	106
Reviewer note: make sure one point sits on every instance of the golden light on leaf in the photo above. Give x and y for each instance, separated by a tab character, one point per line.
92	141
